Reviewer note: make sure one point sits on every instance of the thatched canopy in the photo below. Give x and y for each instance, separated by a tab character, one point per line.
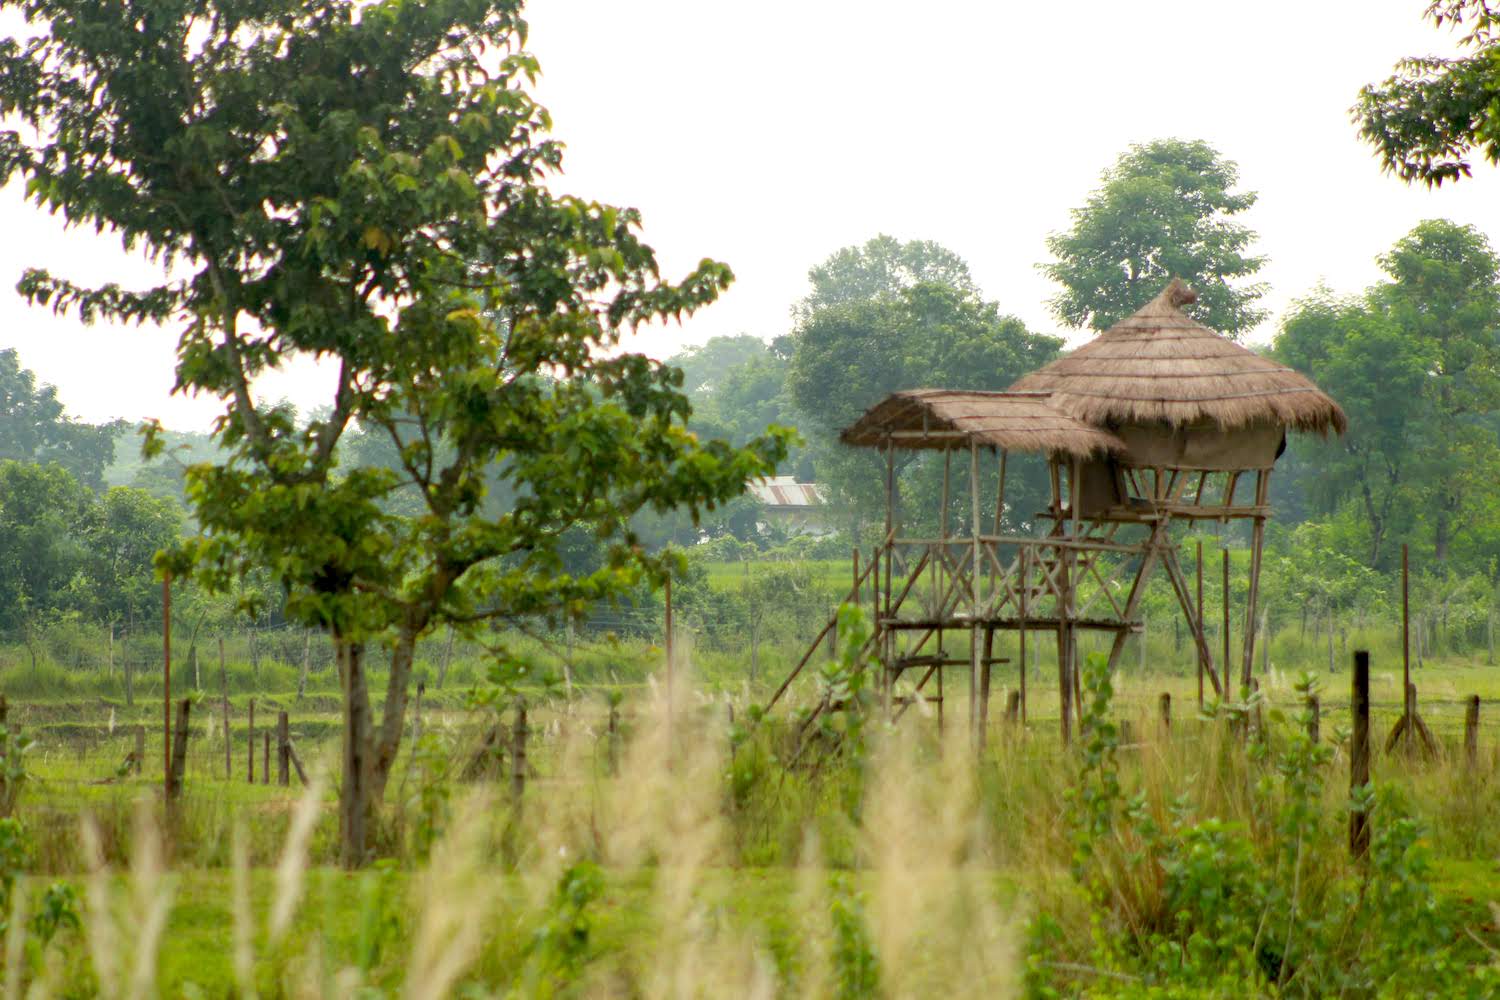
952	418
1159	366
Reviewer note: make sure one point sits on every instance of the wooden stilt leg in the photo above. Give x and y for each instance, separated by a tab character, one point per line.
1195	622
1024	562
984	687
1064	684
1257	545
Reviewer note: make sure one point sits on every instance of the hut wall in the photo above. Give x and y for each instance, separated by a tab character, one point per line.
1098	487
1203	445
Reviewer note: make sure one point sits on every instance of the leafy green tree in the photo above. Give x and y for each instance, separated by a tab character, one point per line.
370	183
1428	119
848	357
706	365
43	511
1416	365
34	428
128	528
883	265
1444	294
1166	209
1356	354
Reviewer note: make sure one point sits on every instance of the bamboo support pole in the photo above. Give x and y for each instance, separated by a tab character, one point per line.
1359	753
1025	565
1226	688
1198	625
166	681
977	654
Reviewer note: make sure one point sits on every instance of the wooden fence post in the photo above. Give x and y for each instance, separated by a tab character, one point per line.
179	750
1471	731
250	739
228	734
140	747
1013	707
283	749
1165	710
1359	753
518	753
614	739
1314	712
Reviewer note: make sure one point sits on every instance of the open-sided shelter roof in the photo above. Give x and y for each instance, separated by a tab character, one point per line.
1159	366
950	418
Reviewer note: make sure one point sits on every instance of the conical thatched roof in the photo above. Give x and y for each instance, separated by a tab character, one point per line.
950	418
1159	366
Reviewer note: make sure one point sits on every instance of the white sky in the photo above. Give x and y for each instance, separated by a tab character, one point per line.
768	135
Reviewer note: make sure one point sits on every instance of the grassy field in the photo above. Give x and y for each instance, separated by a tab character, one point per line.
693	855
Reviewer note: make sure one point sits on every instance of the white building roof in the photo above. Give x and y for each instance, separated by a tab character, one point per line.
786	492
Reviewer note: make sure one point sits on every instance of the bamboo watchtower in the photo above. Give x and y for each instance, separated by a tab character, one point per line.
1158	420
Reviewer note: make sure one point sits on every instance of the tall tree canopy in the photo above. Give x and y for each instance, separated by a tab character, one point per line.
42	520
1165	209
882	265
34	428
1430	117
370	182
1415	363
847	357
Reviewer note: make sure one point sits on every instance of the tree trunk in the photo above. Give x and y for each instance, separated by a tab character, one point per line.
355	800
382	756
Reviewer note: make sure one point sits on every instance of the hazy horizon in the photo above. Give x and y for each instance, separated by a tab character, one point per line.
768	137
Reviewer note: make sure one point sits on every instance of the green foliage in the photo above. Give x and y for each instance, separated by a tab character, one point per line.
1095	797
845	686
856	966
372	185
58	910
1416	366
1209	906
42	512
849	355
1166	209
65	550
1433	114
883	266
13	748
34	428
561	943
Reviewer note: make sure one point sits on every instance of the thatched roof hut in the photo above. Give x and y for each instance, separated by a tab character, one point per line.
1158	366
949	418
